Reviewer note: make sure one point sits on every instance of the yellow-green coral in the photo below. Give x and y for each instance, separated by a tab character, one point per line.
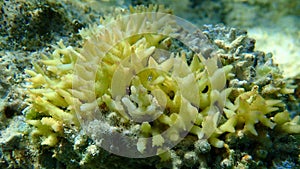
50	97
251	108
119	80
51	89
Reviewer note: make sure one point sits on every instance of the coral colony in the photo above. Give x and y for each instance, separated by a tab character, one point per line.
142	82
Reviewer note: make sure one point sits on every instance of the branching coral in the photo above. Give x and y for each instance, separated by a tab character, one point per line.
135	98
123	70
51	100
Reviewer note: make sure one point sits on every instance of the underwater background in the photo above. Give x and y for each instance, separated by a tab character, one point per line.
258	44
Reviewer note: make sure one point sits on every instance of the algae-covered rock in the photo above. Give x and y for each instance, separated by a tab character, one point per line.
23	24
